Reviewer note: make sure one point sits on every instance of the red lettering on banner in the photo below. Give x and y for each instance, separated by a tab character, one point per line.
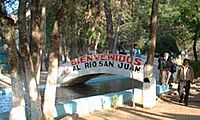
96	57
129	59
122	58
111	57
102	57
116	57
73	62
107	57
89	58
137	61
82	59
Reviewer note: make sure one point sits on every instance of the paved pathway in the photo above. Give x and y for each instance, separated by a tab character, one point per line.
167	108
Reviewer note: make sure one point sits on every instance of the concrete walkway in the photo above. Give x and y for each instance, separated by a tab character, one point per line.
167	108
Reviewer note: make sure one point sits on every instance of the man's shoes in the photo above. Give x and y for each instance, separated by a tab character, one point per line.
181	101
186	104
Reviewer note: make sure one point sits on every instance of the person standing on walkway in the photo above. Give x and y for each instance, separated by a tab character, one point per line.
162	66
171	71
185	76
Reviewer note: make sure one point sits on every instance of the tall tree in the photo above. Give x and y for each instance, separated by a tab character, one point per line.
18	102
73	24
36	37
97	20
92	19
191	19
118	26
195	38
152	43
34	112
50	91
109	25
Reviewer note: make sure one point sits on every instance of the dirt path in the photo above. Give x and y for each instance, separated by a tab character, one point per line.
167	108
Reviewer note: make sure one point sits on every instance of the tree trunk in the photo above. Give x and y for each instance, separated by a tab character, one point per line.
93	24
43	29
72	30
50	91
36	37
132	57
88	17
18	103
148	68
109	25
34	112
195	45
153	33
118	27
97	42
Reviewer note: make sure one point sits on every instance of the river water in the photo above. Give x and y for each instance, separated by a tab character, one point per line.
96	86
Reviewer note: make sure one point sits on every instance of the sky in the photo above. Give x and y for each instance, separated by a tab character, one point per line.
11	5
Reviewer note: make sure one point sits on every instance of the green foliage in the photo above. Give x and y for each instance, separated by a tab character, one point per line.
166	43
167	35
190	18
190	14
50	19
195	65
177	21
114	101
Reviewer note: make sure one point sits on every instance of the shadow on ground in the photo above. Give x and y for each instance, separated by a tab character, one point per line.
173	97
149	115
167	108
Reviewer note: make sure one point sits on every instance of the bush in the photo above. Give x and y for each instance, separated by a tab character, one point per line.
195	65
114	101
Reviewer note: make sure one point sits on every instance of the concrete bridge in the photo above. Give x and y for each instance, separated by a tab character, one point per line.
81	69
